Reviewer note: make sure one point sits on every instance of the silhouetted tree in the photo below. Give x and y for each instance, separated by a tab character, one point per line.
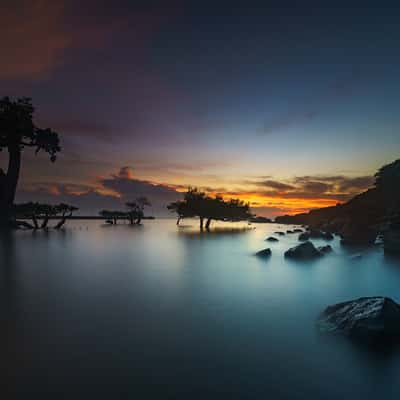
196	203
44	212
136	209
181	208
18	131
66	211
112	217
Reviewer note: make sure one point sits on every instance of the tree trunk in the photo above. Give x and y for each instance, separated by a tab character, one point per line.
208	224
45	222
9	186
201	223
62	222
35	223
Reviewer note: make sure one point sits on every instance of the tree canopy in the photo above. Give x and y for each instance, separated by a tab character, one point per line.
44	212
134	214
198	204
17	131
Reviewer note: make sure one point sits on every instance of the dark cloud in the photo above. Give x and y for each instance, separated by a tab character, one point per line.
77	128
273	184
341	87
35	35
328	187
112	192
286	122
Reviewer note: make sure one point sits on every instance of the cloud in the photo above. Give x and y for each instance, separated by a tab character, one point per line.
35	35
127	187
32	37
341	87
286	122
268	197
337	187
80	127
281	186
110	192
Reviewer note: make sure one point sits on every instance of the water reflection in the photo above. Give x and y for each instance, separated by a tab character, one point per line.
167	311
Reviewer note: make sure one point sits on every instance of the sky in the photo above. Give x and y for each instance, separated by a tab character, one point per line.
290	105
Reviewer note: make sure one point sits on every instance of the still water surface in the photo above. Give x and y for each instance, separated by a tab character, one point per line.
164	312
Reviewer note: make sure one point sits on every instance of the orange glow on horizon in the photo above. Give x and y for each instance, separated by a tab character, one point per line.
285	205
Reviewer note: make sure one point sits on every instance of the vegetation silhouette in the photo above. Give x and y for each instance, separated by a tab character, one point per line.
360	219
134	215
43	212
136	210
198	204
18	131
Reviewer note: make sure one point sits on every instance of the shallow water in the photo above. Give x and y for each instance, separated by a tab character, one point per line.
165	312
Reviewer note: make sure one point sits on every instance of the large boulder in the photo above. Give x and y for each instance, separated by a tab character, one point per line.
363	318
265	253
304	251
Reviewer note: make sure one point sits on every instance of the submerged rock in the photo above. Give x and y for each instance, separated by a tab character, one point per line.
363	318
304	251
304	236
289	231
263	253
325	249
297	230
356	257
272	239
279	233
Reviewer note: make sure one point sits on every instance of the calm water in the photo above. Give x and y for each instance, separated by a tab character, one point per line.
164	312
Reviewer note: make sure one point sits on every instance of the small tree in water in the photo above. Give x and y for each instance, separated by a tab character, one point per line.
18	131
198	204
136	210
43	212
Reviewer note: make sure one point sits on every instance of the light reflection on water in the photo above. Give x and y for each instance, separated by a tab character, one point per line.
114	311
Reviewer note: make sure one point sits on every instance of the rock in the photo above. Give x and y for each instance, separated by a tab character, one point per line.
263	253
289	231
317	234
304	251
297	230
354	235
325	249
260	220
271	239
304	236
391	241
279	233
328	236
363	318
